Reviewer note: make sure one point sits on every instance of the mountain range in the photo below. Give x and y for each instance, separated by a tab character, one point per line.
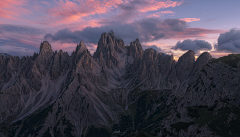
118	91
4	54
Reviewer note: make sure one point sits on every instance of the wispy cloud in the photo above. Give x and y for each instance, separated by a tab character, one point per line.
197	32
190	19
17	46
12	8
151	29
209	20
70	11
20	29
153	5
93	12
130	11
160	13
20	40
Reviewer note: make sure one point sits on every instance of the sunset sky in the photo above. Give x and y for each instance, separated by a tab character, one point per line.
170	26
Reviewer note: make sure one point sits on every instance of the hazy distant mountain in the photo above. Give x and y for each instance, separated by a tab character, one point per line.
4	54
119	91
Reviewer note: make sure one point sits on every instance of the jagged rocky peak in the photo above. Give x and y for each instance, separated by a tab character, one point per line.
105	39
111	33
81	47
43	60
107	35
45	48
185	65
60	51
59	64
108	40
187	57
108	49
202	59
135	49
82	58
150	50
80	51
150	54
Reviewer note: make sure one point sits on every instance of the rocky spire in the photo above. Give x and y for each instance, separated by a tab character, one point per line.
108	48
80	51
81	47
43	61
150	55
135	49
81	57
185	64
202	60
45	48
111	33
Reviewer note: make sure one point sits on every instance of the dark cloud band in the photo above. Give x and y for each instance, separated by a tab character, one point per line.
229	41
146	30
20	29
195	45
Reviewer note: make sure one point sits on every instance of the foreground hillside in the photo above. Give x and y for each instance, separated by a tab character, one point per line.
119	91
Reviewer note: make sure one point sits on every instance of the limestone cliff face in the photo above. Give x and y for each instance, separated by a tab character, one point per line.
119	91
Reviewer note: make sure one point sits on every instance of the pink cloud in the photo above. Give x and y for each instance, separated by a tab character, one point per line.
46	3
197	32
67	12
153	5
137	9
72	11
166	12
77	25
190	19
160	13
12	8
